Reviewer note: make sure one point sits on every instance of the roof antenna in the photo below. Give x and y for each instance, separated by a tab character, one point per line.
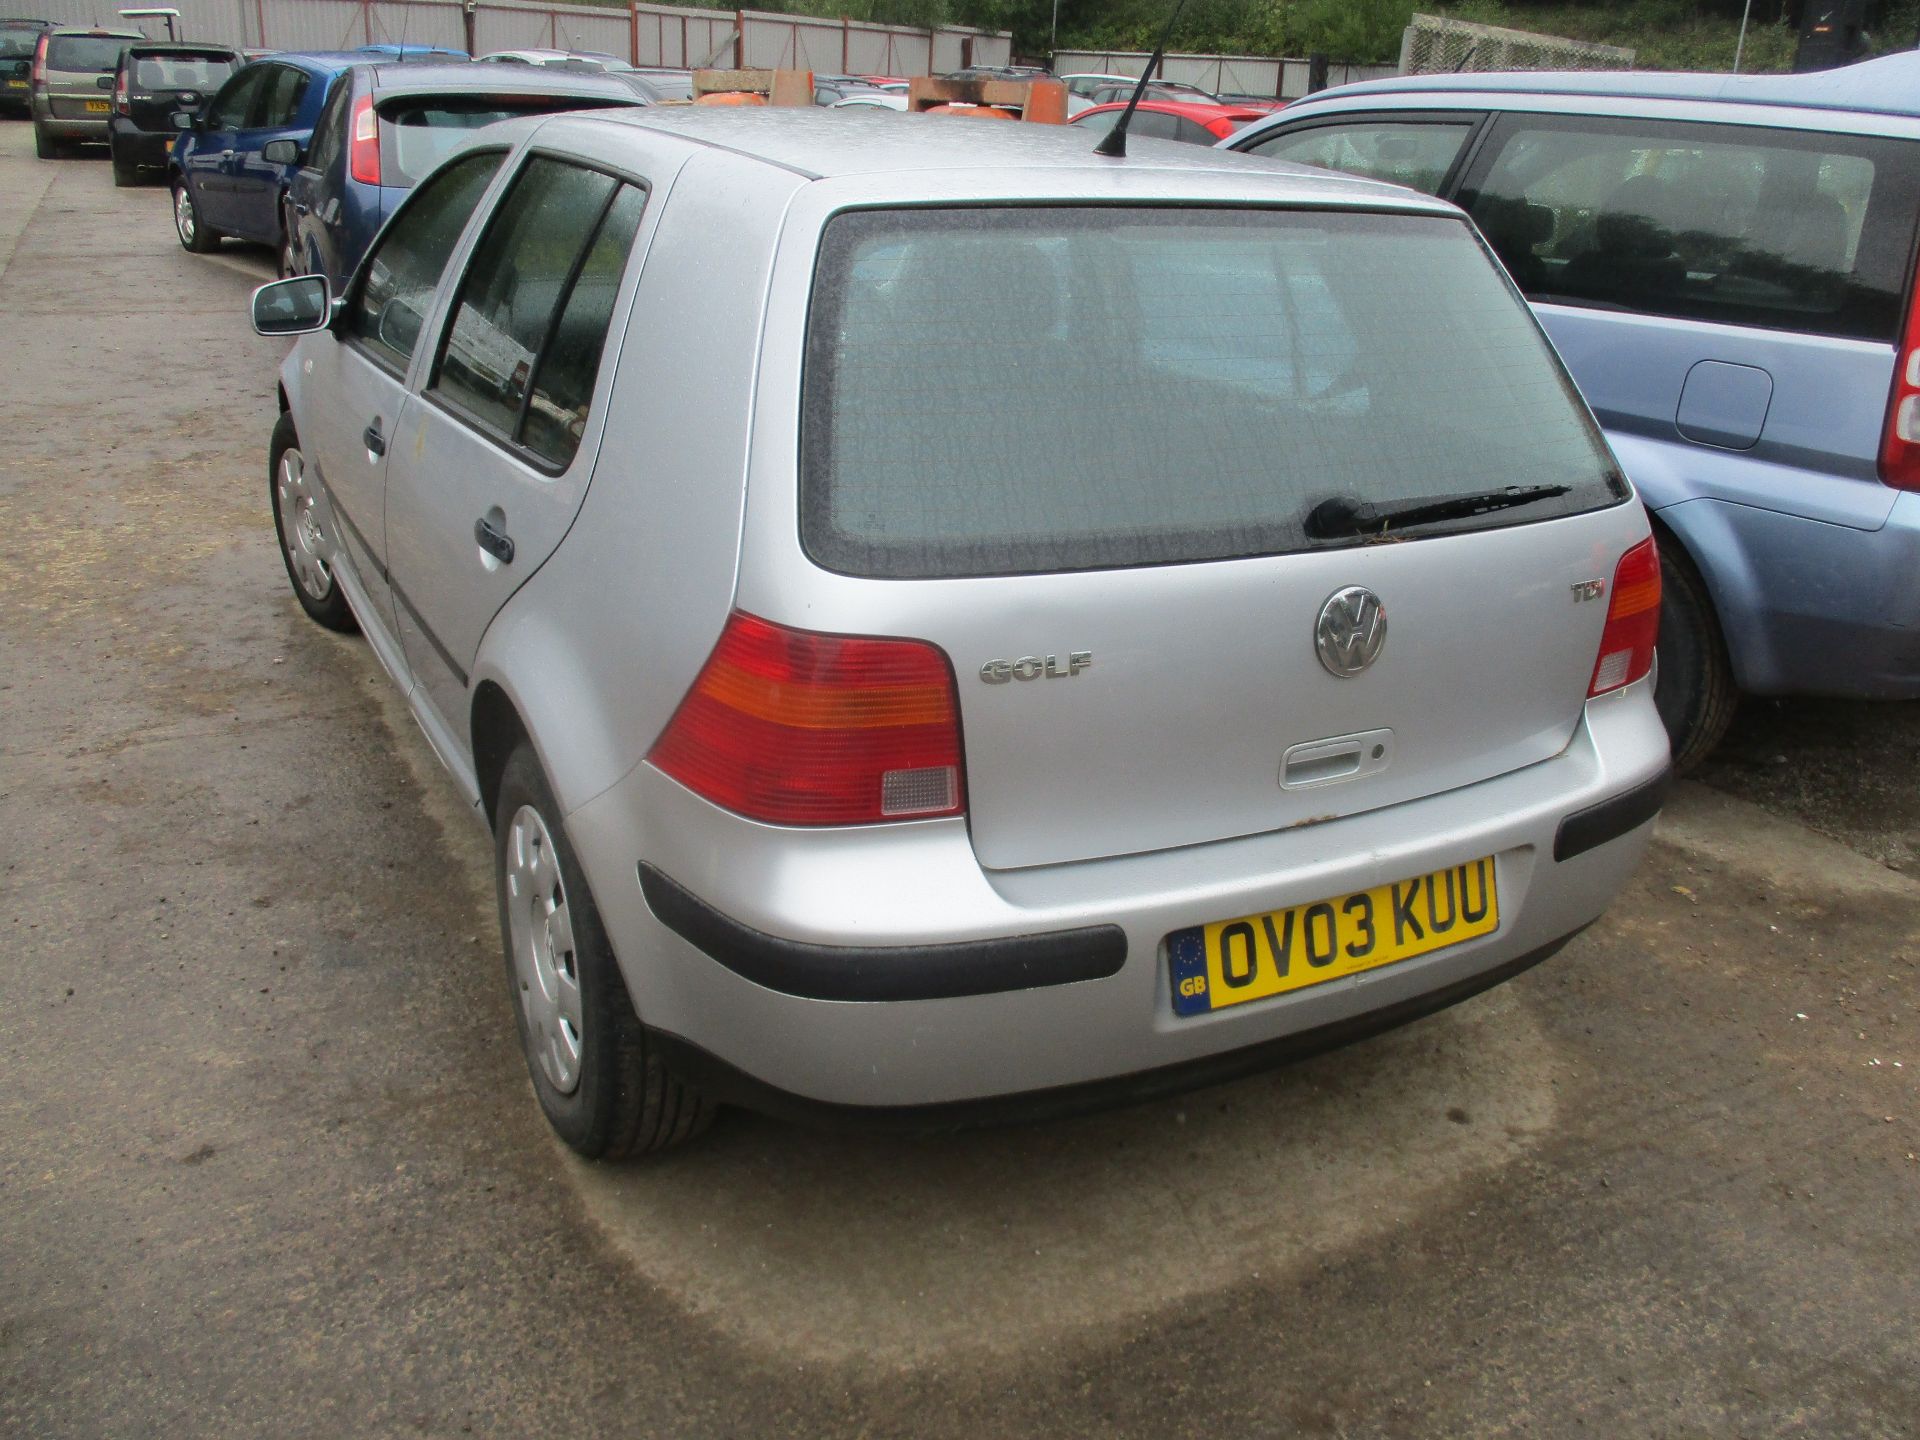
1113	144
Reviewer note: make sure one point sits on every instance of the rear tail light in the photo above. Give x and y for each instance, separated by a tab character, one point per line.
40	60
363	153
1633	621
120	94
796	728
1900	440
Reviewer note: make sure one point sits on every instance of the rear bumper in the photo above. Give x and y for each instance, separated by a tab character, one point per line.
902	910
135	146
1811	608
94	129
733	1086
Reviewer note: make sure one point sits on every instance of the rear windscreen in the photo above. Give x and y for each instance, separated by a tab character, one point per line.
417	134
17	44
97	53
997	391
181	72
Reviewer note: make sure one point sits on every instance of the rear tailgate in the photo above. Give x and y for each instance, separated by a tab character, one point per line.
1095	434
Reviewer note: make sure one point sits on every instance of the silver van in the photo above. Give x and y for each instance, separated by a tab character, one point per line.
942	624
72	95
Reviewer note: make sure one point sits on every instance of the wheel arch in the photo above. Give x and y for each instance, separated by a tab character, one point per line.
496	730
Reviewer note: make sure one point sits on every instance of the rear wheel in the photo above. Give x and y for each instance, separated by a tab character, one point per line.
44	145
200	239
599	1080
124	171
1695	692
302	545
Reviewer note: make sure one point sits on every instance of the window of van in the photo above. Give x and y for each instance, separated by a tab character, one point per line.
1000	390
1742	225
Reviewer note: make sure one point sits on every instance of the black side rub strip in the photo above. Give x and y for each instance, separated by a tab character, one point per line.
886	972
1610	819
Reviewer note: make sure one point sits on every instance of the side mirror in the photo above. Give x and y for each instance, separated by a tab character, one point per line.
293	307
184	120
281	152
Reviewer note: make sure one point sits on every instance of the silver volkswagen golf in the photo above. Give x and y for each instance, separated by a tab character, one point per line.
943	624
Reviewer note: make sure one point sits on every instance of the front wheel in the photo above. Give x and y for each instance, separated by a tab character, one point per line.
1695	691
201	239
302	546
599	1080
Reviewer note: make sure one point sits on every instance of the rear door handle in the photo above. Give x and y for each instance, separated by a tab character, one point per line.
375	441
492	539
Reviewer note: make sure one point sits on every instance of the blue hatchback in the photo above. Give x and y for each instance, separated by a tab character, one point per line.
386	126
222	180
1726	264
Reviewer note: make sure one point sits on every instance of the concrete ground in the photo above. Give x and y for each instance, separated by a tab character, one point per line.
270	1165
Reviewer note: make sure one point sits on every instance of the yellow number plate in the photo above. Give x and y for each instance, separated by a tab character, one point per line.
1232	961
98	107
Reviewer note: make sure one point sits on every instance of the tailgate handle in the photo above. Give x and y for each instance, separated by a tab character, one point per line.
1339	757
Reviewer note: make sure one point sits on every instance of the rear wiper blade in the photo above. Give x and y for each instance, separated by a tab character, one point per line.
1341	515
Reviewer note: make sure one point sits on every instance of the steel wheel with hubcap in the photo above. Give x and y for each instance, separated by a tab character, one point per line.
596	1073
540	940
302	542
194	236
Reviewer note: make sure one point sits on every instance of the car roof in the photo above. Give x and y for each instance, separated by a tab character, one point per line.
823	143
97	30
181	47
469	78
1198	110
1889	85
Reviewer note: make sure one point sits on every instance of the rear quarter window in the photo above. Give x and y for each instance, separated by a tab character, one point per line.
1744	225
1002	391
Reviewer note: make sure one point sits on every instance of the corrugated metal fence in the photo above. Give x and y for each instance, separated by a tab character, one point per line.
645	34
1283	79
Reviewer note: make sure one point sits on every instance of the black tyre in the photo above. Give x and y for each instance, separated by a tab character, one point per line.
1695	692
200	239
290	490
45	146
125	173
602	1085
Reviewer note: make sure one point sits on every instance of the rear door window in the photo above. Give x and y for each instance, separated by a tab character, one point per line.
1783	229
1416	154
330	130
997	391
533	309
401	274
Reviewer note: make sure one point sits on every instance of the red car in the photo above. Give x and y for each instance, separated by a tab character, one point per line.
1174	120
